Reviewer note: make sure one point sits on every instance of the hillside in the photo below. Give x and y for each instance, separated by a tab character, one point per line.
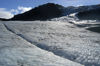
42	12
93	14
72	9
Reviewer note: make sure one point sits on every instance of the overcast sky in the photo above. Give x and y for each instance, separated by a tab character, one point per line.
10	7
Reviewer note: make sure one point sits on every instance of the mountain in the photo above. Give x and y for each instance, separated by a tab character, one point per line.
93	14
42	12
72	9
51	10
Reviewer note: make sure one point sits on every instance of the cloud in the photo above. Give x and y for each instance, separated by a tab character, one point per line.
9	14
20	9
5	14
14	11
24	9
79	5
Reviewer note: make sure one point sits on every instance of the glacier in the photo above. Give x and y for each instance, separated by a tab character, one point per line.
62	41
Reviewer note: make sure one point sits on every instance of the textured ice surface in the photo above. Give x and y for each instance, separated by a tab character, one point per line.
16	51
64	39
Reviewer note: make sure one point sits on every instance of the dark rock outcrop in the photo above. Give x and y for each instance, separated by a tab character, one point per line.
2	19
94	29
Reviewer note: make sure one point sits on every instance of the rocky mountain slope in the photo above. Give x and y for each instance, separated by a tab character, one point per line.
93	14
72	9
42	12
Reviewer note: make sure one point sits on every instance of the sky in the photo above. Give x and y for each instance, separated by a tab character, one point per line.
9	8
